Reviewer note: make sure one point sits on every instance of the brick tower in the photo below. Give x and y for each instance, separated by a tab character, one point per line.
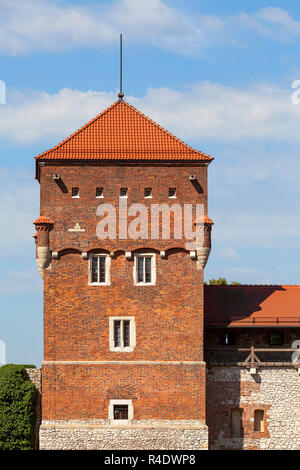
123	316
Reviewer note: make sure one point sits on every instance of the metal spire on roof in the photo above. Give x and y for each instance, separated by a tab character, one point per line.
121	94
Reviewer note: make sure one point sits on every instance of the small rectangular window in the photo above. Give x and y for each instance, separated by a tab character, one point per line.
229	338
117	333
172	192
99	192
275	338
237	423
99	269
120	411
145	269
123	192
259	420
148	192
121	334
75	192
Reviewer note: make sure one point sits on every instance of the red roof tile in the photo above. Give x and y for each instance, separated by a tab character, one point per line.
252	305
121	132
204	220
43	220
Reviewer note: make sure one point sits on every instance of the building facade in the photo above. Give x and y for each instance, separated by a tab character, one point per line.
126	347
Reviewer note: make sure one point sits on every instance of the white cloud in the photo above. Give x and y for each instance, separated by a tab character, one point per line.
19	203
36	116
204	111
55	26
49	25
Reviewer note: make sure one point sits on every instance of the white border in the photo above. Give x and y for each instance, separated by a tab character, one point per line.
107	270
132	333
153	269
120	422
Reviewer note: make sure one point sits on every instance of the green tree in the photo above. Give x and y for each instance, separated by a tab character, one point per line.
17	416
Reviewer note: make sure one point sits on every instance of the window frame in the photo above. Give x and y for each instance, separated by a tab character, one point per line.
78	195
120	422
262	421
153	269
107	269
231	337
175	193
132	334
150	195
101	196
281	336
126	194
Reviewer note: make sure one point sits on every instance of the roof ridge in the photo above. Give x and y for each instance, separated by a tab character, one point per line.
165	130
187	147
85	126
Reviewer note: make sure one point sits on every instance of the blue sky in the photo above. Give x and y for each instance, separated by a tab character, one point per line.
217	74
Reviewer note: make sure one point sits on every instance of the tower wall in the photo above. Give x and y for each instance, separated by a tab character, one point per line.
164	376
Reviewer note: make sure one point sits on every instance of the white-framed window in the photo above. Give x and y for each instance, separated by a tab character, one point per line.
75	192
122	336
120	412
123	192
148	193
172	193
99	192
99	269
144	269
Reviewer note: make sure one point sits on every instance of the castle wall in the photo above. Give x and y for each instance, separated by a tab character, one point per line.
275	390
142	435
35	376
164	375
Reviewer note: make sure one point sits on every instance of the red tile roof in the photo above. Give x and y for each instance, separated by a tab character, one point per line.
121	132
204	220
43	220
252	306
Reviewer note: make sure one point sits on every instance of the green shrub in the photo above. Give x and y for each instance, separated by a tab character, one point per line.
17	415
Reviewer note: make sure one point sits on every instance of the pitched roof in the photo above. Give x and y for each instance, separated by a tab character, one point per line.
121	132
42	219
252	306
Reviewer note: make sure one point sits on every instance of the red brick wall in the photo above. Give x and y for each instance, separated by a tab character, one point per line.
168	316
65	211
157	392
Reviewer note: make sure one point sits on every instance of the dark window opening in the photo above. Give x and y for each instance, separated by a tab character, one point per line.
98	269
121	333
229	338
126	333
259	420
148	192
117	333
75	192
275	338
237	423
144	269
99	192
172	192
123	192
120	411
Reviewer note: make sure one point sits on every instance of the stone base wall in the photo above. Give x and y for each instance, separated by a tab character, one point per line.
274	390
140	435
35	376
